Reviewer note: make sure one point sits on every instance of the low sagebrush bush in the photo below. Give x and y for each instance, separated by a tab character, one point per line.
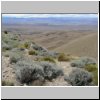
90	67
49	59
5	47
94	70
52	54
14	57
82	62
38	48
7	83
95	77
32	52
26	45
10	39
28	72
77	63
51	70
63	57
21	47
79	77
88	60
40	53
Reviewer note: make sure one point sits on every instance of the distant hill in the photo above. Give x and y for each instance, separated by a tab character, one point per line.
50	21
84	46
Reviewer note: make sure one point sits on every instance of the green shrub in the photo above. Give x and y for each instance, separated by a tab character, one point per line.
49	59
38	48
95	77
10	39
29	71
52	54
40	53
90	67
5	46
15	57
26	45
43	51
88	60
51	70
15	37
77	63
79	77
12	43
82	62
7	83
94	70
32	52
21	47
63	57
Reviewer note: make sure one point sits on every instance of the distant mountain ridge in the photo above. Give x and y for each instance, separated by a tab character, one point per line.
50	21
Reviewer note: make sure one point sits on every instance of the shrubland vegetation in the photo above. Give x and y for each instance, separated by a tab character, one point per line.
22	55
79	77
28	71
94	70
32	52
82	62
89	64
48	58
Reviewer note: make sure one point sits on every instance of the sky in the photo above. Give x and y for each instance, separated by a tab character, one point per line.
49	15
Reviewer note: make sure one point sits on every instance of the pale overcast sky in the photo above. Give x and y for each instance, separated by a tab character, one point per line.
48	15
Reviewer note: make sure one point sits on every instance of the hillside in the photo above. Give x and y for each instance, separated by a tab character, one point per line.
49	49
25	62
84	46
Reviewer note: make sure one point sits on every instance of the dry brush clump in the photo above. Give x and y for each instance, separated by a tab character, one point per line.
77	63
88	60
89	64
82	62
41	51
47	58
51	70
63	57
9	41
29	71
5	47
53	54
24	45
91	67
79	77
38	48
94	70
32	52
15	57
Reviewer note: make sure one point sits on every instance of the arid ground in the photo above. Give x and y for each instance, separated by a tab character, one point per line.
74	48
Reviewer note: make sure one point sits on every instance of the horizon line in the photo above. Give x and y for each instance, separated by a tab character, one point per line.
50	15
